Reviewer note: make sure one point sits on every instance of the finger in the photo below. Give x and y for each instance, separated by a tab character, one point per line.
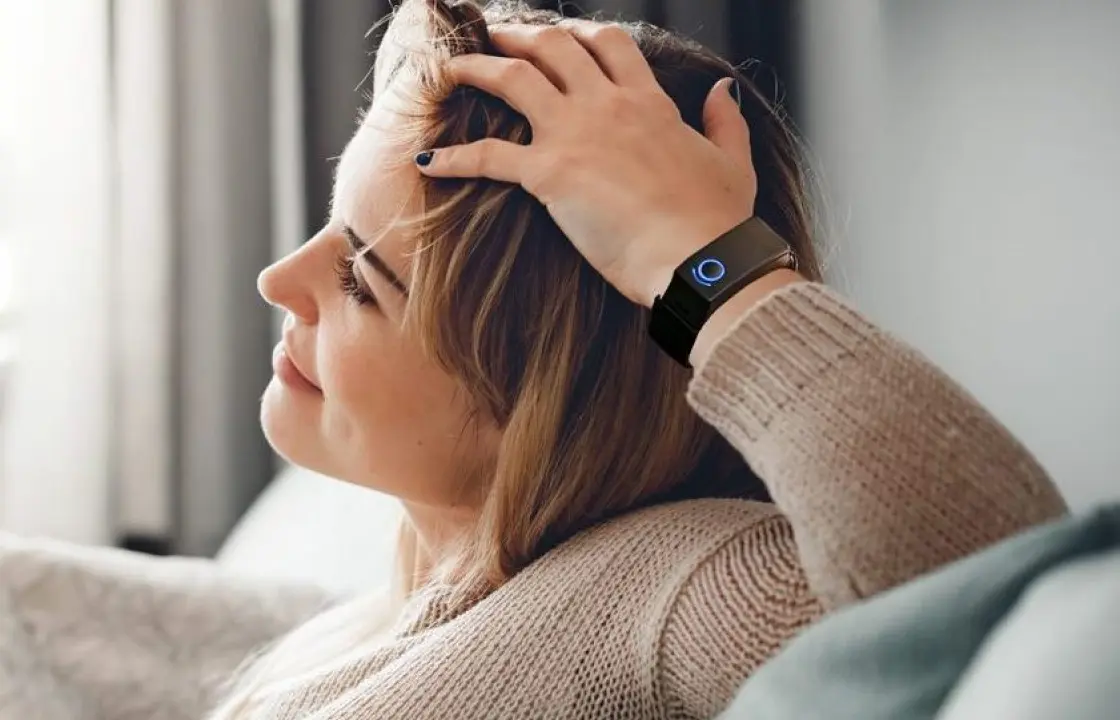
554	51
514	80
724	123
490	158
615	51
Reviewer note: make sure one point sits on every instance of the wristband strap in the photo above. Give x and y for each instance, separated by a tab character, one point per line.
710	277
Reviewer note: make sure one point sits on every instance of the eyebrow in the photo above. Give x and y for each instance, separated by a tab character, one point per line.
362	248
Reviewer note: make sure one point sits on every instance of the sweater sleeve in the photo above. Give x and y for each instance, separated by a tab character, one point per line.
885	467
103	633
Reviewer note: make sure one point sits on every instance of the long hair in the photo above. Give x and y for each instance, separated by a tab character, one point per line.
593	415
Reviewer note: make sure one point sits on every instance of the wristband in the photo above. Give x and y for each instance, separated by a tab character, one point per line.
709	278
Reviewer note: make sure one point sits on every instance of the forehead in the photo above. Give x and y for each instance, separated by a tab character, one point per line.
375	171
375	180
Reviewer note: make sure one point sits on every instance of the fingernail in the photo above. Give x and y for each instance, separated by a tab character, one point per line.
736	92
424	159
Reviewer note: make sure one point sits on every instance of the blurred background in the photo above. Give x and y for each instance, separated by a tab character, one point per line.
156	154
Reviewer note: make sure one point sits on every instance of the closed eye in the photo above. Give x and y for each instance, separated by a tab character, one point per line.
350	281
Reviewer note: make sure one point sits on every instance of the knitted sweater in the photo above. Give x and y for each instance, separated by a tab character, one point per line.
881	468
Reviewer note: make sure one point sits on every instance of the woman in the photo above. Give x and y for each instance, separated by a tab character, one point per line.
581	540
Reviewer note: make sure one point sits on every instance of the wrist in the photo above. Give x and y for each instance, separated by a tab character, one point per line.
679	245
658	280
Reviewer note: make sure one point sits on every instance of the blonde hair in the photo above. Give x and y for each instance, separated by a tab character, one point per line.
593	415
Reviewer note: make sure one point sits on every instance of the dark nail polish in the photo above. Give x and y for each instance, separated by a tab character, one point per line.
736	92
425	158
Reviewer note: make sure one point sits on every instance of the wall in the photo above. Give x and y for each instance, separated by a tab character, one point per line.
973	156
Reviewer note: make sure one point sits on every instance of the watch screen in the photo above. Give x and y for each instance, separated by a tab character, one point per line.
722	267
708	271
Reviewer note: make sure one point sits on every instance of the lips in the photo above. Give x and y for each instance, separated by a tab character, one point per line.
289	372
300	370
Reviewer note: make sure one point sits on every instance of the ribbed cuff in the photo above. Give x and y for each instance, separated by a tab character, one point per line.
782	345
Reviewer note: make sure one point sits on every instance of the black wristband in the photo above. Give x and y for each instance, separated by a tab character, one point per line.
709	278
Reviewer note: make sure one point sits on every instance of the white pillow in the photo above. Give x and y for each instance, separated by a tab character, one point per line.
312	528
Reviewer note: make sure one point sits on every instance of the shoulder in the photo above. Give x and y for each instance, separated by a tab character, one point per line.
668	549
706	544
678	535
654	552
740	603
703	518
747	543
715	587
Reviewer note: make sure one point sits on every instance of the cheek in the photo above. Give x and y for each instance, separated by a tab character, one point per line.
391	412
357	369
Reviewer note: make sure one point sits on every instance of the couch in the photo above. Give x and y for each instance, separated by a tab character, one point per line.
311	528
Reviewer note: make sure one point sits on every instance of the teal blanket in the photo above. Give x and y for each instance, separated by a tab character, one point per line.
900	655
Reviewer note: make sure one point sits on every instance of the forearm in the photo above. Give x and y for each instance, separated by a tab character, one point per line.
885	467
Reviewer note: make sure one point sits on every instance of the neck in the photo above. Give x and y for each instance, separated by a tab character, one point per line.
440	533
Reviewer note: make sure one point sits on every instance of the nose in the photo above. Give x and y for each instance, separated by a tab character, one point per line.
286	284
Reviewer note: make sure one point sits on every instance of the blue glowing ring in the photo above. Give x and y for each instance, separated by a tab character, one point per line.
708	272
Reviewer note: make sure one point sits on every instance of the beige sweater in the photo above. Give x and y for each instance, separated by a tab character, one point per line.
881	467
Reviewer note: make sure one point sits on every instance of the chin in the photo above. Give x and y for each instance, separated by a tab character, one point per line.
288	428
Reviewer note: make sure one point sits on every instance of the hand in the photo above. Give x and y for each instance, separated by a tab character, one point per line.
635	188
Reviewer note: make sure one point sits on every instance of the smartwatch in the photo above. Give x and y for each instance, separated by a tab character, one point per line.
709	278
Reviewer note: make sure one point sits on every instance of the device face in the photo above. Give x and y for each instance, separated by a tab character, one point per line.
711	276
718	270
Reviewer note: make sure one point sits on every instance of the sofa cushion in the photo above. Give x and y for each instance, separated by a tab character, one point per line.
311	528
1056	656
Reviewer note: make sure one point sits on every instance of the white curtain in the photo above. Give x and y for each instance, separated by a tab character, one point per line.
137	201
195	128
55	226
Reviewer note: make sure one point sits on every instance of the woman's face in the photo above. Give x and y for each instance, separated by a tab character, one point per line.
353	396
